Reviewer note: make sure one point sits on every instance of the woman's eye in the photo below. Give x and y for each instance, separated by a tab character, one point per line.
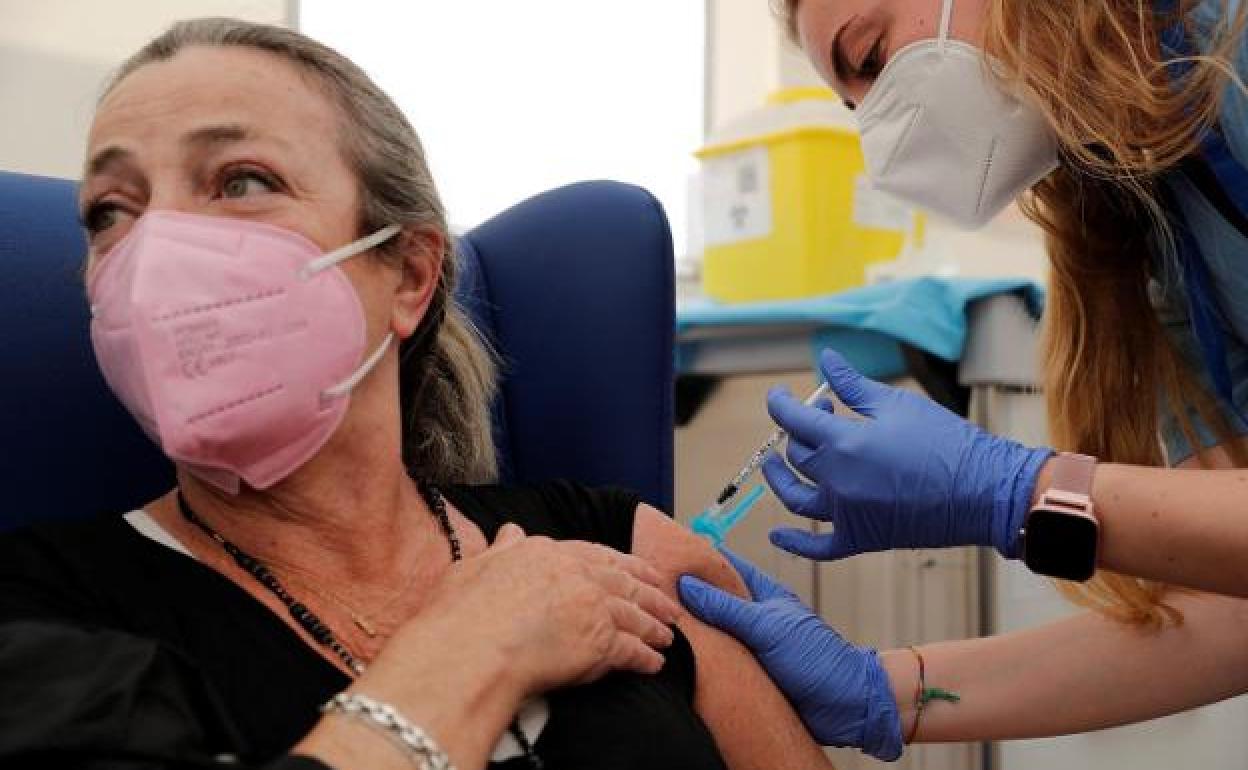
240	184
101	216
873	63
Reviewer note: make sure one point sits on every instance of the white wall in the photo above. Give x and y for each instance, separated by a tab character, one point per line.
742	65
546	93
749	58
55	56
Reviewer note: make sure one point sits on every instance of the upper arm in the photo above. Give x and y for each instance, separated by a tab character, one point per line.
753	724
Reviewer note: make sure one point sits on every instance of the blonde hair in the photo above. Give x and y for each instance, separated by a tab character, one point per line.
447	374
1097	71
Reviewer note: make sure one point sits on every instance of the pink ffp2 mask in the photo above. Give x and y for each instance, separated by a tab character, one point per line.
233	343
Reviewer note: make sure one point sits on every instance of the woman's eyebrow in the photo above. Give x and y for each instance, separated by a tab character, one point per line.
216	137
115	160
110	156
223	133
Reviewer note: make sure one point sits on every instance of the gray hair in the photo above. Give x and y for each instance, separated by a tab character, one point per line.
447	376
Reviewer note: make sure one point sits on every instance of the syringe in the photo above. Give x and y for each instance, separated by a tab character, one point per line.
756	459
715	523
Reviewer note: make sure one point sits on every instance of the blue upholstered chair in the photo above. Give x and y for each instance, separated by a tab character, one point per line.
573	287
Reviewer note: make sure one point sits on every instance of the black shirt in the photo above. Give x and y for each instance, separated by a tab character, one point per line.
116	651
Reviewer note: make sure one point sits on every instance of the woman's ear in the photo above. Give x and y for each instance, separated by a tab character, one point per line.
423	251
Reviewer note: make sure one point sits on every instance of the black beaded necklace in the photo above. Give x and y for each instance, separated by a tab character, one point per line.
316	627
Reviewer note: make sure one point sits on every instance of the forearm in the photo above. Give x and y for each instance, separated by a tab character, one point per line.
1177	526
467	737
1079	674
463	699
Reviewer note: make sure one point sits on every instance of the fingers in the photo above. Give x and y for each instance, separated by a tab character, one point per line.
653	602
798	496
808	424
643	584
809	545
594	553
658	604
762	586
509	533
631	619
641	616
637	634
721	609
800	456
627	576
855	391
635	566
630	653
646	597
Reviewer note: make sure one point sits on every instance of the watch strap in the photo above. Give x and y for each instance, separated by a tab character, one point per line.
1072	473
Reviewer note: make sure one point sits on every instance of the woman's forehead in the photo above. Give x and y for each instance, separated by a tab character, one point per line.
214	85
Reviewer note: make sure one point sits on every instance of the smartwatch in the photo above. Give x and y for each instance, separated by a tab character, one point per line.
1061	533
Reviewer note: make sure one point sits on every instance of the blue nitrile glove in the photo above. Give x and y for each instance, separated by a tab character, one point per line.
840	691
910	475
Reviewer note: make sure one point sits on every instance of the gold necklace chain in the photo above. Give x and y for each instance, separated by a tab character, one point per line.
314	626
366	622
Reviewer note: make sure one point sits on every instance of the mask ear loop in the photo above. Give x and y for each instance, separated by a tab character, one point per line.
347	385
328	260
946	23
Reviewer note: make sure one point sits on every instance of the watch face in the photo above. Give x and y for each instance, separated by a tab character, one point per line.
1060	544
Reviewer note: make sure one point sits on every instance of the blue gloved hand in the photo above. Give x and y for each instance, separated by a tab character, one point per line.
840	691
910	475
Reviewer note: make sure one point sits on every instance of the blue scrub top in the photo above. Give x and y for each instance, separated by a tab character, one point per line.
1225	252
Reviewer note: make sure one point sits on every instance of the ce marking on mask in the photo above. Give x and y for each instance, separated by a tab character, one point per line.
204	345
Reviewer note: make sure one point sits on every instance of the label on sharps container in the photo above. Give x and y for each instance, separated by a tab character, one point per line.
736	197
879	210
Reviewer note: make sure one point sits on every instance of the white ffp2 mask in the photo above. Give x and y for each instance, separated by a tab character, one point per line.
939	133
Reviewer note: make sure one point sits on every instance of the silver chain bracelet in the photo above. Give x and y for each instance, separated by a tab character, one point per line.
414	741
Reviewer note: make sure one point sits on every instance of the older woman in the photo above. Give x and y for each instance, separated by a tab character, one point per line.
320	588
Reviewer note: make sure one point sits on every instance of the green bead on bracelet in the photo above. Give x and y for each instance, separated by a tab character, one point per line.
930	694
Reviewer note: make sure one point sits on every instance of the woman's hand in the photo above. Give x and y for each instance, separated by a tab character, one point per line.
562	612
527	615
909	475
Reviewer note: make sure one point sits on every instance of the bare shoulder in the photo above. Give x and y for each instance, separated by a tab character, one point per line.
754	726
675	551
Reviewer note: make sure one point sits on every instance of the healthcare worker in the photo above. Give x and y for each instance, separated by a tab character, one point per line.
1123	126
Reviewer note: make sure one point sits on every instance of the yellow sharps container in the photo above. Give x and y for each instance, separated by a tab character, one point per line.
787	208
